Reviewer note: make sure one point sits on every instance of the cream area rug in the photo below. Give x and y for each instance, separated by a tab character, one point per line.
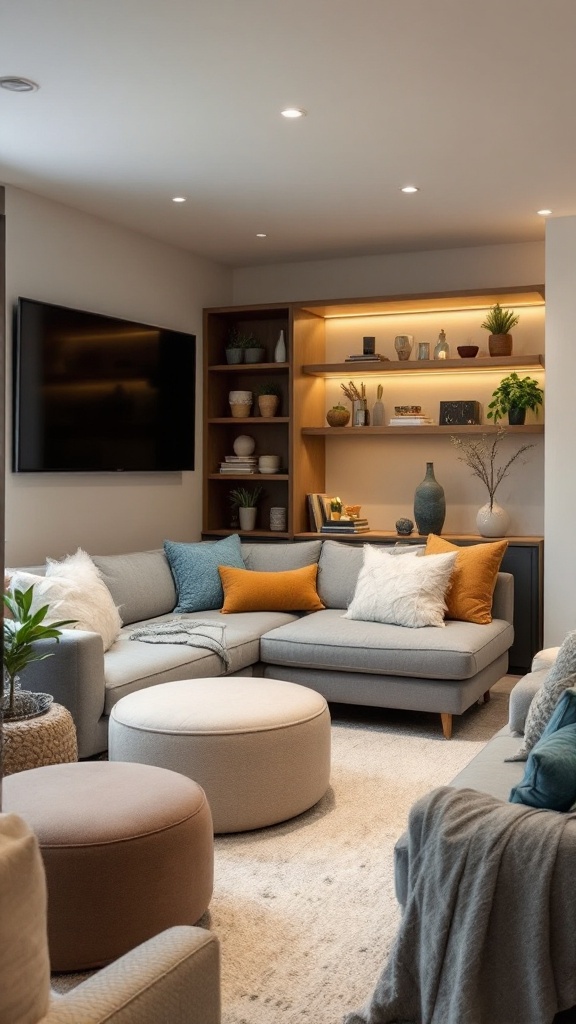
305	911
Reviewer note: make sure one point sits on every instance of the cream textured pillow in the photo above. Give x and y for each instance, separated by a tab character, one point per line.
25	988
402	591
73	589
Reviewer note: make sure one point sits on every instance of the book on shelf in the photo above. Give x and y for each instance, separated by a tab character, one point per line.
411	421
341	524
237	469
376	358
317	511
347	528
241	458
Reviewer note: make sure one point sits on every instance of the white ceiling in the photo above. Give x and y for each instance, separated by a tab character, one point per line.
472	100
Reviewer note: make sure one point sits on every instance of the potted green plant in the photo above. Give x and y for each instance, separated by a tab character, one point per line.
335	508
245	501
499	323
21	633
254	351
268	398
235	346
513	396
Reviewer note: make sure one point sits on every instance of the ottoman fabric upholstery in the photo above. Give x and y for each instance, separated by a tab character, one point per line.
127	849
260	748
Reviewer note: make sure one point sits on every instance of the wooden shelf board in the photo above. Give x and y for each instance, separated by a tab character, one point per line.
281	534
252	420
249	476
468	428
527	362
257	367
415	538
393	305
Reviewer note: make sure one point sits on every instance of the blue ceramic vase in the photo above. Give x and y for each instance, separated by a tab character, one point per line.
429	504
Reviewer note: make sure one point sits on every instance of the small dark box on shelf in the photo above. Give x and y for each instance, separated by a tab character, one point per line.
368	346
459	414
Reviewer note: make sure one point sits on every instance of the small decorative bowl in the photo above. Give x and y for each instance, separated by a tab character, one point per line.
407	410
467	351
338	417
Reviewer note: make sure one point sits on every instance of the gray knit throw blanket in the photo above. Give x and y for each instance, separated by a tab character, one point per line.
488	934
192	632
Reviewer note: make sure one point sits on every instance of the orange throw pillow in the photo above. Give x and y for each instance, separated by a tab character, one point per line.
293	590
470	593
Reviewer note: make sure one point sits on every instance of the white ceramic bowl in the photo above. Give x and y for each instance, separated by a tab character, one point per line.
269	462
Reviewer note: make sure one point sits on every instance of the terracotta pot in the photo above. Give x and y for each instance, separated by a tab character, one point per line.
500	344
268	405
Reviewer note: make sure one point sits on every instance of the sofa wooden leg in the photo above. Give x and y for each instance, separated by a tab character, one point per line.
446	724
487	696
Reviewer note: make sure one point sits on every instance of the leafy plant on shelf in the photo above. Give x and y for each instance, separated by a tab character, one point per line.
241	339
243	497
480	454
514	392
21	632
268	388
500	321
335	505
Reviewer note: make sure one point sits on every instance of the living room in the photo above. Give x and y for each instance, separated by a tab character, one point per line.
59	252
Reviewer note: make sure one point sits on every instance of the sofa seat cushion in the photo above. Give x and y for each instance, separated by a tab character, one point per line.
327	640
132	664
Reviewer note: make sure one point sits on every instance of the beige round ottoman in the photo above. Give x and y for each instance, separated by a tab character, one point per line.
260	748
128	852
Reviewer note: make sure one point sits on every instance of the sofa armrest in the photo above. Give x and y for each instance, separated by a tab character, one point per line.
521	697
545	658
173	977
74	675
503	598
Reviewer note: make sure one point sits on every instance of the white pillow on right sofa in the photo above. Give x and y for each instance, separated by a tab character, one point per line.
402	591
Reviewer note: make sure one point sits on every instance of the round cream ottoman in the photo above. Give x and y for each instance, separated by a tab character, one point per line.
127	849
260	748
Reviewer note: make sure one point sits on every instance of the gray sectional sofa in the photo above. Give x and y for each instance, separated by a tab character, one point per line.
441	670
489	772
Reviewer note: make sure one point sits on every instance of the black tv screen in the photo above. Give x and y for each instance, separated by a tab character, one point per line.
96	394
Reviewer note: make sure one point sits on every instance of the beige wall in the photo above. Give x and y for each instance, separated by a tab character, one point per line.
382	473
560	478
57	254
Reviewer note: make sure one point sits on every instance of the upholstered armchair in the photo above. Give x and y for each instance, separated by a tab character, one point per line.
171	979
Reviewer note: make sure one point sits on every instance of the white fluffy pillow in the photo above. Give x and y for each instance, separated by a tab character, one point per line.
74	590
402	591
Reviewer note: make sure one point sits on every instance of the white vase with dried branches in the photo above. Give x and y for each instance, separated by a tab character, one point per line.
480	454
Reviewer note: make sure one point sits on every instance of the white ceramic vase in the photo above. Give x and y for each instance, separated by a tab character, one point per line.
247	518
492	522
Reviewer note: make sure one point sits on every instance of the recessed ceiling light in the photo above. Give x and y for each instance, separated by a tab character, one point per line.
544	213
13	83
409	188
260	234
293	112
178	199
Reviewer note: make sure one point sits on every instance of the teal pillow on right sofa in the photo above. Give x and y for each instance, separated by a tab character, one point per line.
550	776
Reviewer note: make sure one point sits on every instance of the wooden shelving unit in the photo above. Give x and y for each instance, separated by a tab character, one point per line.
469	428
427	366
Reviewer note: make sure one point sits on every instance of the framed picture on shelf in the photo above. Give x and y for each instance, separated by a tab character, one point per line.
459	414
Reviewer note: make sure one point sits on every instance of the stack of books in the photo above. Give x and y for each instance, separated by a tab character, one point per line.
366	359
345	526
239	464
411	421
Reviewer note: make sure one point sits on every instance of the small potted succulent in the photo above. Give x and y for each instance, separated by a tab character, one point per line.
235	346
245	501
499	323
21	631
335	508
268	398
254	351
513	396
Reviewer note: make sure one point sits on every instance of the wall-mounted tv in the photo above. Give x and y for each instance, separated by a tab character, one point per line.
95	394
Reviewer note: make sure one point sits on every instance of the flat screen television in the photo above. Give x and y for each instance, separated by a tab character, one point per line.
95	394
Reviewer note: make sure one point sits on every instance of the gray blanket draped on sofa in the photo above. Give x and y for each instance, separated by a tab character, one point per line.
488	934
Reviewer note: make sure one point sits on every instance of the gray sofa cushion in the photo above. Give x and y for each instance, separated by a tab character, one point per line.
329	641
132	665
339	566
141	583
280	557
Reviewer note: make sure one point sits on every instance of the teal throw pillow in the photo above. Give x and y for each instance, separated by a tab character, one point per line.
550	775
564	713
195	571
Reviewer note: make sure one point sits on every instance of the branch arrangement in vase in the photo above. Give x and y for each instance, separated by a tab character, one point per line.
480	454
